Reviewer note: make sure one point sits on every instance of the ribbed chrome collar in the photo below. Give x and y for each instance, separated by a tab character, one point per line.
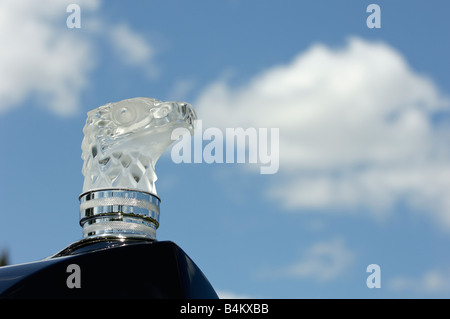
122	213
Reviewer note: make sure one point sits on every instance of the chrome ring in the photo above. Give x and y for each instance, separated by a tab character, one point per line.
119	192
124	212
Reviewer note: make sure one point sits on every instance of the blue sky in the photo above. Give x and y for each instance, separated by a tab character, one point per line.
364	175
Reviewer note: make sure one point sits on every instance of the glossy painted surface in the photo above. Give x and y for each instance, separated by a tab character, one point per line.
109	268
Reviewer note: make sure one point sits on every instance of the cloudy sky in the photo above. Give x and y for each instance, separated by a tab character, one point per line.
363	146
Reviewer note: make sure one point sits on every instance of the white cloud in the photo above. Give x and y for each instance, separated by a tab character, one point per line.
355	129
323	261
226	294
133	48
432	282
41	58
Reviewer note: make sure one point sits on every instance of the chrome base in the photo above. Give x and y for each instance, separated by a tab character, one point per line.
121	213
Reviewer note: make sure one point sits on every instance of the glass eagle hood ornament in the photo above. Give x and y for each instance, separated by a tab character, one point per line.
122	143
118	255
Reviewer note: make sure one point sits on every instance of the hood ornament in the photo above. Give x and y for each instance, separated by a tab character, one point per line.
122	143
